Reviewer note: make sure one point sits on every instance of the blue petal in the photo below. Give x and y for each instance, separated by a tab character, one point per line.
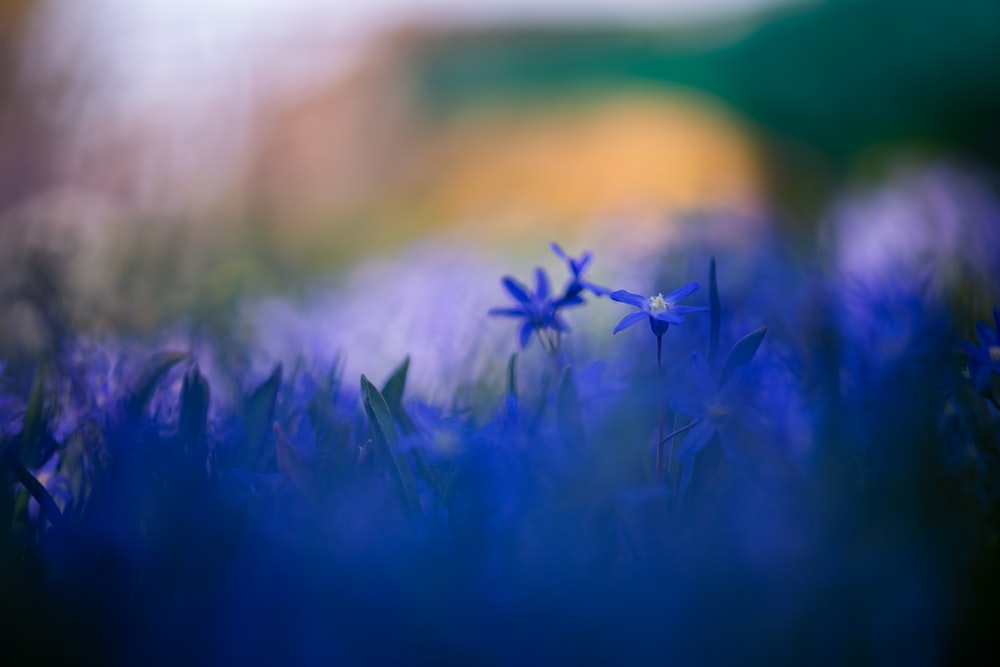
568	302
684	310
541	284
507	312
669	317
524	335
632	299
689	405
701	375
985	334
596	290
516	290
975	351
558	251
982	378
695	440
682	292
731	449
583	262
629	320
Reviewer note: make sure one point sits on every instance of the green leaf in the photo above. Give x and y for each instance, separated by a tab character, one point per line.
193	422
150	375
569	410
385	438
290	462
512	376
257	417
715	313
34	421
393	388
741	354
392	391
37	490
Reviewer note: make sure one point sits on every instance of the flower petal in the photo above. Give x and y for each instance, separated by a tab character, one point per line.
581	264
669	317
695	440
636	300
596	290
541	284
507	312
568	302
978	353
682	292
630	319
701	375
558	251
524	335
684	310
985	334
516	290
691	406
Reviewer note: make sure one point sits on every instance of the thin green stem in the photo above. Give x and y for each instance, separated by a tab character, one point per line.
662	410
677	432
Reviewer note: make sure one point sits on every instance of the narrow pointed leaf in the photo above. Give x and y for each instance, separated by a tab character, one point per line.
193	422
151	374
741	354
290	463
384	436
715	309
570	412
35	488
393	388
34	421
512	376
258	416
392	391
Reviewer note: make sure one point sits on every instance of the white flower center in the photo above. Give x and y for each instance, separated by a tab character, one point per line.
717	412
657	304
995	354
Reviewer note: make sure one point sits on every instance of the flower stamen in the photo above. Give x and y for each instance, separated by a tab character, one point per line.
657	304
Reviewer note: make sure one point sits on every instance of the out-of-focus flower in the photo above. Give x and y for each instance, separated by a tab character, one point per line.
662	311
939	223
984	358
721	410
538	311
576	266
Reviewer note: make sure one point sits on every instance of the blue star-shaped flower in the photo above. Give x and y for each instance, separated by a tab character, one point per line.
536	308
984	358
714	409
662	311
576	266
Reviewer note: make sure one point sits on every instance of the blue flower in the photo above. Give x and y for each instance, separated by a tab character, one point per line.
662	311
538	311
714	409
576	266
984	358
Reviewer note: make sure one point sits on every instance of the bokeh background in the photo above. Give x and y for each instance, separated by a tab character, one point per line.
283	171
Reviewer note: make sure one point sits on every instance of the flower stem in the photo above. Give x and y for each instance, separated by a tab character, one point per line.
553	351
680	430
662	410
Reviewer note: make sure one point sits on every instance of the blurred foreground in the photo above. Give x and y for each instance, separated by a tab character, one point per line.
253	407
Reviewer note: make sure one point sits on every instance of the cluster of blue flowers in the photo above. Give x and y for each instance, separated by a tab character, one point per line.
813	499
